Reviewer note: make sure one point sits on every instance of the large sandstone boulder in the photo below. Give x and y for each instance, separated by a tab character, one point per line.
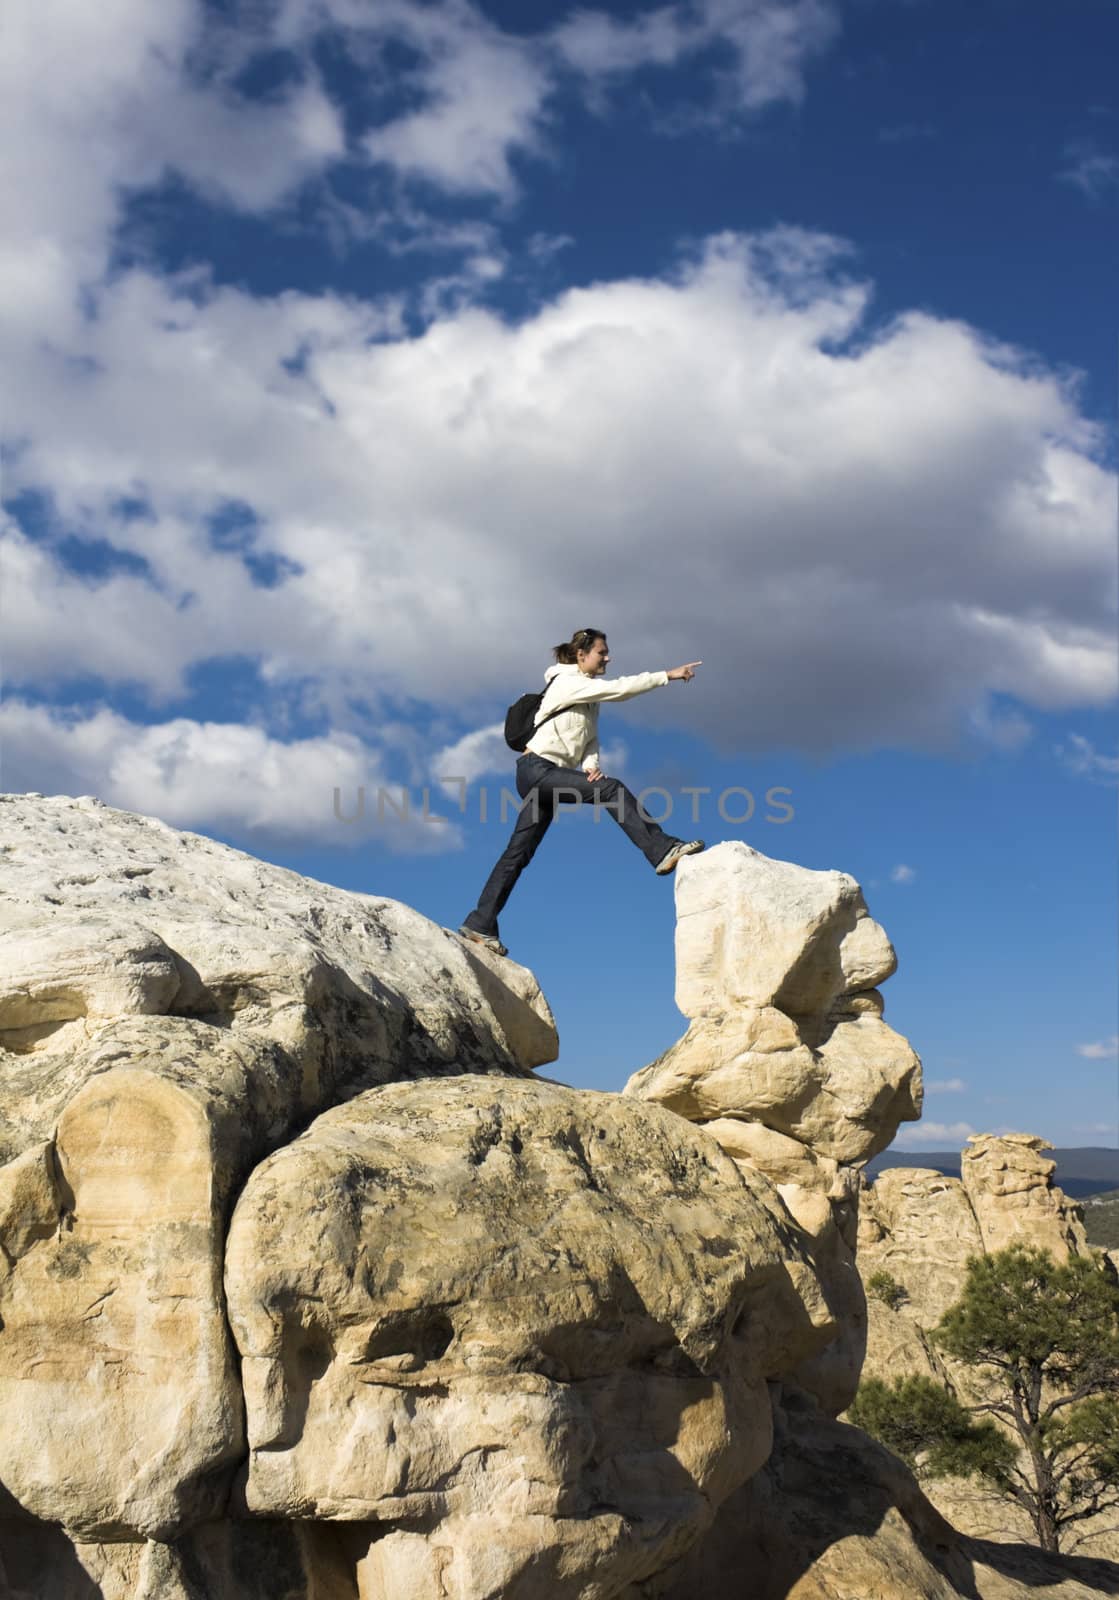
787	1061
171	1010
108	916
523	1330
778	967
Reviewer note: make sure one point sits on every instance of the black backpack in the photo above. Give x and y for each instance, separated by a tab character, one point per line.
521	723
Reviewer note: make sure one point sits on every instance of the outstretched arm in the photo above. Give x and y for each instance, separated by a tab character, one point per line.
683	674
586	691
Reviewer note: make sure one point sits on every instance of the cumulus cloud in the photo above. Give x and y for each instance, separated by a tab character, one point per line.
946	1086
483	96
99	101
902	874
225	777
1100	1049
478	97
475	755
907	520
940	1135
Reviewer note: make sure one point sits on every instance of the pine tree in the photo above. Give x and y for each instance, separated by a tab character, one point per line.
1045	1337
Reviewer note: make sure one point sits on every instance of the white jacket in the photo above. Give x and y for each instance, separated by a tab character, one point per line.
571	739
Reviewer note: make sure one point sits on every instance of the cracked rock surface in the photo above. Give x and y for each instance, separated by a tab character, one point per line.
524	1325
171	1010
787	1061
309	1290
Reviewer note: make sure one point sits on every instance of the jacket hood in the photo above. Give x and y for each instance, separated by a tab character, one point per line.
560	666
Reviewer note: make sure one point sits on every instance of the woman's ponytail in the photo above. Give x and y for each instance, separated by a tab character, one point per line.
567	654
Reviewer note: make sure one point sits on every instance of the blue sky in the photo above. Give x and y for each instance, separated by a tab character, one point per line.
357	352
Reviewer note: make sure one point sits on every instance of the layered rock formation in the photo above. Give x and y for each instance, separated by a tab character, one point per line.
787	1061
310	1291
170	1010
461	1319
917	1230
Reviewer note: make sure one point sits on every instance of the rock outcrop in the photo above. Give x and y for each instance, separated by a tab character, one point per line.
917	1229
462	1317
170	1011
787	1061
309	1290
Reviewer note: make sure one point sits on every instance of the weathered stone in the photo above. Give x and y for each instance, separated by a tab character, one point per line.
463	1314
917	1230
228	1560
498	1340
1010	1186
754	932
109	916
121	1404
788	1062
822	1197
834	1516
777	967
175	1009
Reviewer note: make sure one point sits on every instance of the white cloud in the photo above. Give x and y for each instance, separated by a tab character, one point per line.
1095	172
946	1086
474	756
1081	757
613	758
98	101
902	874
769	43
1100	1049
940	1135
488	480
483	93
500	464
225	777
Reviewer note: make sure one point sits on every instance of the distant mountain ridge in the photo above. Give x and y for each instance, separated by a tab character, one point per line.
1090	1169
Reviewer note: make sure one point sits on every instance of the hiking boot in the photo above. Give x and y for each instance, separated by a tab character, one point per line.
490	940
693	847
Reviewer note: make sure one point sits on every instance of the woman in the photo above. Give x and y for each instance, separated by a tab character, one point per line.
561	763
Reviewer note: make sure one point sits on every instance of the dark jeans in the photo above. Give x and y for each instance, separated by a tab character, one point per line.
544	787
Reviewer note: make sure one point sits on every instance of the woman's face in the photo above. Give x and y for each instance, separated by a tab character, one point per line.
593	660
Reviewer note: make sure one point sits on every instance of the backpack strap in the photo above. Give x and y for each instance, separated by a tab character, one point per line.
550	715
